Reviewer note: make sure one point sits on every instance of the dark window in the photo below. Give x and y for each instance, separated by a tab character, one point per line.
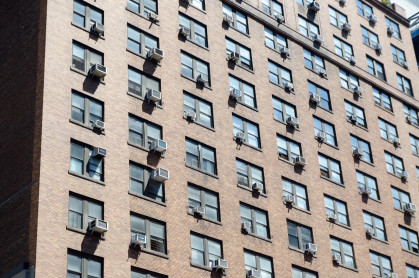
398	55
194	68
139	84
140	183
85	15
83	265
330	168
299	235
395	27
404	85
314	89
239	20
85	110
308	28
400	198
248	174
376	68
356	112
409	239
207	199
368	37
82	211
83	163
205	250
272	7
258	262
200	156
143	133
274	40
412	114
256	218
412	272
337	18
381	265
347	80
84	57
358	143
155	232
247	90
283	110
288	149
414	143
140	42
394	164
279	75
312	61
387	130
363	9
343	49
198	31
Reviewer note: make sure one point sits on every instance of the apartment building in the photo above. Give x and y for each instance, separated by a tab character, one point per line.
208	138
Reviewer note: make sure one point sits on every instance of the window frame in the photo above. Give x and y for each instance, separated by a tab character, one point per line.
380	258
394	159
275	41
206	240
191	27
342	253
370	35
147	188
329	168
343	47
304	272
409	111
363	5
238	49
410	242
142	40
396	54
200	155
294	186
319	91
278	74
147	227
253	220
375	66
414	144
283	104
299	236
366	179
324	124
86	201
87	16
304	2
348	79
249	176
338	16
314	66
373	219
404	81
146	80
257	259
308	26
84	262
242	84
359	146
400	201
87	51
142	10
354	112
147	273
271	8
336	211
202	201
288	149
87	120
245	130
195	72
233	12
414	269
387	130
381	103
145	136
391	23
87	149
197	110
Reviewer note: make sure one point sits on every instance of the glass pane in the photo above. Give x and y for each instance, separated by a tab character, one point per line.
74	263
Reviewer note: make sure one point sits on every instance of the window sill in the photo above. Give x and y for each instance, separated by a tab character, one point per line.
382	108
332	181
140	15
388	141
198	123
300	209
86	178
237	30
240	66
379	240
250	146
143	99
81	231
88	31
410	252
284	123
85	126
290	92
200	266
299	251
193	80
317	73
348	267
357	125
400	65
364	17
259	237
370	46
146	198
369	163
248	106
251	190
85	74
288	161
204	217
196	8
197	44
325	109
155	253
414	125
394	175
202	171
328	144
340	224
143	148
369	198
277	51
352	92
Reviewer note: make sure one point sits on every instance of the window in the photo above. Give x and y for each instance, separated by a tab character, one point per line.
143	133
365	180
376	68
278	74
85	110
140	42
304	2
83	265
250	130
248	174
84	58
381	265
327	129
414	142
244	52
395	27
258	262
248	91
334	206
200	4
400	198
202	108
272	7
347	80
274	40
314	89
85	16
404	85
302	273
412	272
291	188
394	164
288	149
337	18
307	28
200	156
155	232
343	49
387	130
198	196
283	110
239	19
140	183
83	163
353	110
298	235
82	211
382	99
363	9
368	37
398	55
330	168
257	219
312	61
139	84
377	224
345	250
142	7
141	273
409	239
408	111
204	250
198	31
358	143
193	67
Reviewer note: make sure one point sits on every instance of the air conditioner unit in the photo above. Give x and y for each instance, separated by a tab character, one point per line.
246	227
300	161
220	264
235	94
336	258
99	152
352	60
155	54
390	30
369	231
315	98
410	208
357	90
98	226
405	64
198	210
322	72
184	31
154	95
280	18
332	217
240	137
320	136
289	199
153	16
319	39
358	153
257	186
352	118
190	114
310	248
284	51
99	125
138	240
372	18
378	47
253	273
98	28
292	121
227	18
158	146
404	175
392	275
202	78
288	86
98	70
160	175
396	141
409	119
347	27
314	6
234	56
367	190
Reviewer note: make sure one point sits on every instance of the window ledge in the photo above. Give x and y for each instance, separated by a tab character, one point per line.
414	125
325	109
370	46
85	74
202	171
284	123
372	199
237	30
202	11
240	66
87	30
250	146
380	240
288	161
400	65
140	15
300	251
340	224
382	108
143	148
198	123
410	252
86	178
394	175
193	80
300	209
81	231
197	44
155	253
251	190
200	266
364	17
288	91
85	126
275	50
146	198
328	144
357	125
348	267
317	73
369	163
332	181
144	57
143	99
388	141
360	96
248	106
204	217
259	237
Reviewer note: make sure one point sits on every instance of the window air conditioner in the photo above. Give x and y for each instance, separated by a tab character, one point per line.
300	161
289	199
314	6
289	86
369	231
246	227
154	95
227	18
99	152
292	121
202	78
280	18
235	94
98	28
98	70
98	226
199	210
321	136
358	153
332	217
240	137
138	240
234	56
253	273
357	90
220	264
99	125
366	190
347	27
372	18
257	186
160	175
155	54
317	38
310	248
158	145
184	31
315	98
